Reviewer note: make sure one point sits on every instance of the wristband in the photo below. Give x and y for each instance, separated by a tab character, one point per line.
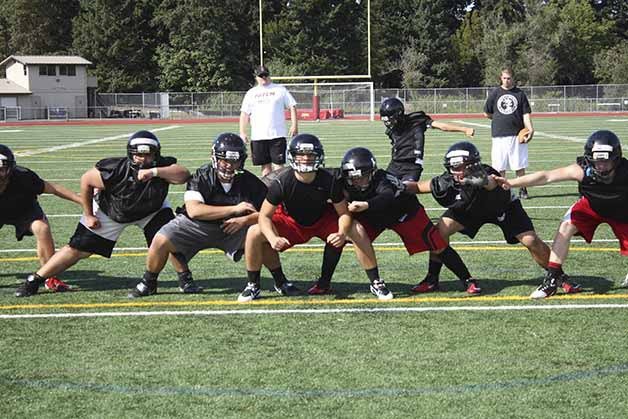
154	172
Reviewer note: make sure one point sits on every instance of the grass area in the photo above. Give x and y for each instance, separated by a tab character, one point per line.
499	355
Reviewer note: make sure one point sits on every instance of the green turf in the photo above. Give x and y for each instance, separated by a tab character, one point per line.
527	363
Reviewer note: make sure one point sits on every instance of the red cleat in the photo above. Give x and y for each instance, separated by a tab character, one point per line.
473	287
56	285
318	290
425	286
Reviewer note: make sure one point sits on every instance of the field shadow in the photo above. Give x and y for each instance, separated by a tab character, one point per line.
558	195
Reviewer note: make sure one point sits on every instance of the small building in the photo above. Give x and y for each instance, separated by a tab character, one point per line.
45	87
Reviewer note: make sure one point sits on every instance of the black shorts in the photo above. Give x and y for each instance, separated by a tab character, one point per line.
512	222
405	171
268	151
23	222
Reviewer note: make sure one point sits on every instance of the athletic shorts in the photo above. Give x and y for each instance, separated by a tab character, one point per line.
508	154
586	220
101	241
405	171
268	151
23	223
417	232
512	222
295	233
191	236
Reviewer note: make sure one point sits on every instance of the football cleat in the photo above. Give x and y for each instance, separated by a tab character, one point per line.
547	288
568	286
190	287
143	289
624	284
287	288
316	289
429	284
29	287
473	287
56	285
523	193
379	289
250	293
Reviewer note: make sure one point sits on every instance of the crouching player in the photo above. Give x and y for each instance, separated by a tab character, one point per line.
602	176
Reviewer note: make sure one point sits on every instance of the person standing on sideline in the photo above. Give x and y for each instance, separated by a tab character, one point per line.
508	109
263	108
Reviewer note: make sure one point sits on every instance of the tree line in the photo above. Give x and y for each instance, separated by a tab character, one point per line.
208	45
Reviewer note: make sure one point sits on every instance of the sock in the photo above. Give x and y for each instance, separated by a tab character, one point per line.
150	276
454	263
278	276
184	277
331	257
373	274
254	277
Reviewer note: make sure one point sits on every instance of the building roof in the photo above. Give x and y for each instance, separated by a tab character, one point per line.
7	87
46	59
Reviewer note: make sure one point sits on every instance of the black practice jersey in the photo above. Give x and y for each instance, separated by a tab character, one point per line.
408	138
608	200
305	202
20	194
125	198
388	204
205	185
507	108
474	201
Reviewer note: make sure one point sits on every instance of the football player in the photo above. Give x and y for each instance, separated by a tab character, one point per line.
472	199
377	200
19	188
131	190
602	176
222	201
296	210
407	137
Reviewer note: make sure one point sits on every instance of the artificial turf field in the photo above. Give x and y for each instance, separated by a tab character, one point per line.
93	353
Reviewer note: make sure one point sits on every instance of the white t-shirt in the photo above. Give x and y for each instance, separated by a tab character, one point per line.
265	106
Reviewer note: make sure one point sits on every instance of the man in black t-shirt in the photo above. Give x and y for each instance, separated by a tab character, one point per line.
509	110
296	210
132	190
19	188
602	176
222	201
407	137
472	199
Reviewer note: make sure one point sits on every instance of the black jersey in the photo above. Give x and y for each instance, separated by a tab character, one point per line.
388	204
125	198
20	194
476	202
408	138
205	185
507	108
305	202
608	200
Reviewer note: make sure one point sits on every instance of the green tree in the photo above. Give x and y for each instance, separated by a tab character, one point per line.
611	65
468	56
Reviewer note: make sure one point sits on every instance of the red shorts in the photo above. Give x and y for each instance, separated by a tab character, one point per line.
417	232
586	220
288	228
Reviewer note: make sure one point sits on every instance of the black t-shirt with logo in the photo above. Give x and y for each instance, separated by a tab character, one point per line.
608	200
246	187
20	194
388	203
305	202
507	108
125	198
473	201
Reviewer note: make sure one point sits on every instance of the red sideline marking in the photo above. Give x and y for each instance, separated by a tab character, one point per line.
145	121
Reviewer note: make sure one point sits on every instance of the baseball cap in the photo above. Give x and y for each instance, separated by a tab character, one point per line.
262	70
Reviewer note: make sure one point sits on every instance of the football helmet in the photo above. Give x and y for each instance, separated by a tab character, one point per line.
358	167
391	112
463	162
143	142
602	153
306	145
7	161
230	148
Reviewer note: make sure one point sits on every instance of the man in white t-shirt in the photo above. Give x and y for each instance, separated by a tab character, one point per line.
263	107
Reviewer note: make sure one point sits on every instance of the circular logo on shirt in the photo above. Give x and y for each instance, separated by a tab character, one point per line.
507	104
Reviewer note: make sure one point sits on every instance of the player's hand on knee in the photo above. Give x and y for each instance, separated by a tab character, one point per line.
336	239
244	208
233	225
358	206
280	244
92	222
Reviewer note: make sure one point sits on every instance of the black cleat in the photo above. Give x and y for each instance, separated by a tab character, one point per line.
143	289
29	287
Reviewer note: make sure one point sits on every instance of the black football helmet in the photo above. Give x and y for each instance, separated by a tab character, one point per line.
143	142
463	160
231	148
306	144
391	112
358	163
602	153
7	160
